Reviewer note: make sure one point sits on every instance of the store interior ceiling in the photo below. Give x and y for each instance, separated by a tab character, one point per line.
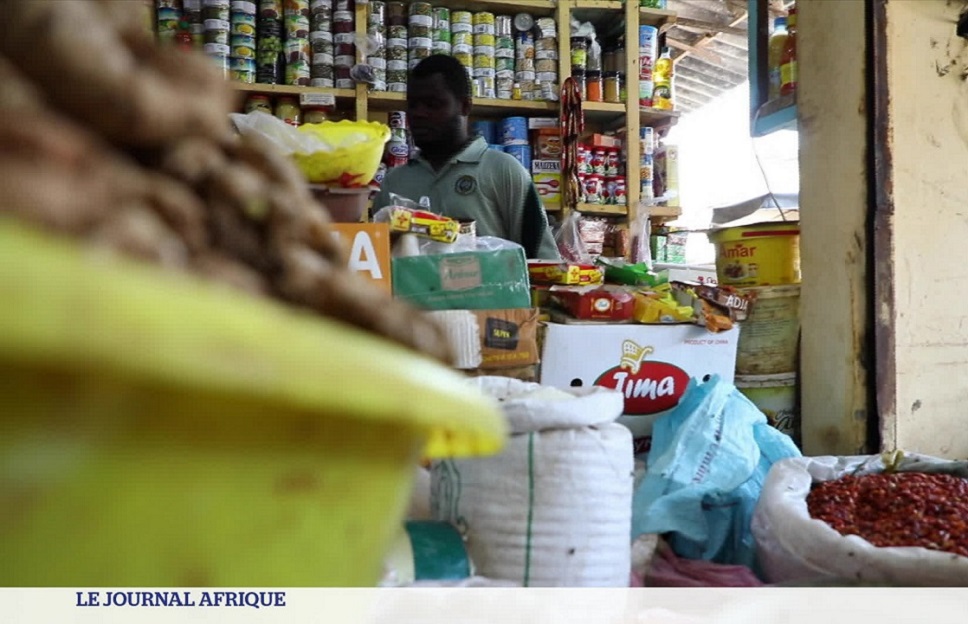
708	42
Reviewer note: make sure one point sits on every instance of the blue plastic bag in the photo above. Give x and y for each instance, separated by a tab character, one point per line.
708	461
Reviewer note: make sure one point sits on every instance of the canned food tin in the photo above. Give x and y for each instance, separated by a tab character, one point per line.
487	51
271	9
243	7
421	31
483	19
325	5
399	33
594	189
421	14
345	60
467	60
484	40
217	31
420	42
619	194
376	13
258	103
546	65
521	153
524	76
298	73
547	28
461	21
484	88
441	47
549	77
441	36
322	83
462	38
503	25
216	9
418	54
611	162
397	87
322	70
377	62
523	22
396	14
297	27
397	120
505	46
239	75
441	17
345	83
295	7
397	66
243	25
243	47
298	51
216	49
504	67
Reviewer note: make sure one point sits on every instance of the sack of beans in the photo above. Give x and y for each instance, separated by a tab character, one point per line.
891	519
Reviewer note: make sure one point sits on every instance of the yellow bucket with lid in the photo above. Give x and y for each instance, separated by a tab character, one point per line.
766	254
159	431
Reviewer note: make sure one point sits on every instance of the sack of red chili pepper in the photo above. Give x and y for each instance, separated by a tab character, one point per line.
893	519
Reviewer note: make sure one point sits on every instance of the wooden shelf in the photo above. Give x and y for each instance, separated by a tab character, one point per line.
386	100
269	89
600	5
664	212
537	8
656	17
654	116
603	209
778	114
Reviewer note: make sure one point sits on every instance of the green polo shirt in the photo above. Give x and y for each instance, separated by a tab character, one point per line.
482	184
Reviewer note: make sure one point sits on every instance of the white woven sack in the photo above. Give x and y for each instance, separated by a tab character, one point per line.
791	546
555	508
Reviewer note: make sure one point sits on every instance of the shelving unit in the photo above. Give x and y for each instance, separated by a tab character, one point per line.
611	16
766	116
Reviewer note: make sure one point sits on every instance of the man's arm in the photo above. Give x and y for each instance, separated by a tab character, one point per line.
527	222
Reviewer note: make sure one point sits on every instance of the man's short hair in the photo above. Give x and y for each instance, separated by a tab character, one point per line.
454	74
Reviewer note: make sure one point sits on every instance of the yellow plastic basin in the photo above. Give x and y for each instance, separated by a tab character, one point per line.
156	430
356	158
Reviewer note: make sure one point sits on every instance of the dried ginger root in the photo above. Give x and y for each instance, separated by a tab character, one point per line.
97	66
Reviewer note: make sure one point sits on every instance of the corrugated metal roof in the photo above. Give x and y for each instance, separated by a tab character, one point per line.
709	47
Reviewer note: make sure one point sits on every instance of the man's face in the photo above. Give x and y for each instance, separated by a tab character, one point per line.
434	113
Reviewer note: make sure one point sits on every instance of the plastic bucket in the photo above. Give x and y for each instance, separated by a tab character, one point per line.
758	255
158	431
776	397
769	337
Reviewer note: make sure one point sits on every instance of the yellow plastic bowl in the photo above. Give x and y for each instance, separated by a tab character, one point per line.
157	430
355	160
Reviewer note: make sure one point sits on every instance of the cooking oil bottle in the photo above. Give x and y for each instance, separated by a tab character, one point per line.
778	40
788	60
662	97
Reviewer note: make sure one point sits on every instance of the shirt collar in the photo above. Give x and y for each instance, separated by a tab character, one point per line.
472	153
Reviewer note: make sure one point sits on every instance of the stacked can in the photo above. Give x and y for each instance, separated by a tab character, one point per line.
168	15
462	39
270	63
484	61
421	24
546	60
242	41
614	184
396	49
504	57
648	53
296	47
440	32
216	15
647	148
344	44
322	73
398	147
376	32
192	16
524	63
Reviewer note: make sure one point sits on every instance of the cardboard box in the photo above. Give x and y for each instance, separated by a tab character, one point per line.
570	273
537	123
650	364
604	140
369	247
491	339
546	175
547	144
472	280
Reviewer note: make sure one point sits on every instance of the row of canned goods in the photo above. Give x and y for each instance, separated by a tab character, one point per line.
602	190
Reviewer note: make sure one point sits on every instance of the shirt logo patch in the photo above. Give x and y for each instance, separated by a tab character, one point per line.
465	185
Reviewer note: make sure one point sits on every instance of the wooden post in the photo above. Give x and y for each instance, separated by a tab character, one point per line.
633	178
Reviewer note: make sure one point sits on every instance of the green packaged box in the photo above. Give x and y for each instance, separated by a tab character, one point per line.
472	280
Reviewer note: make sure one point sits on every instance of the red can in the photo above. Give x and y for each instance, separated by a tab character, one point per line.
619	198
594	189
611	162
598	162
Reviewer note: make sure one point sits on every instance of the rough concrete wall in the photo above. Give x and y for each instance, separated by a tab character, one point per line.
833	211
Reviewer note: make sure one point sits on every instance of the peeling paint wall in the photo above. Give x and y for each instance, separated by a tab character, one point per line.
834	214
928	86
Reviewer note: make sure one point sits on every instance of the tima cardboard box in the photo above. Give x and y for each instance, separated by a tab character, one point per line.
650	364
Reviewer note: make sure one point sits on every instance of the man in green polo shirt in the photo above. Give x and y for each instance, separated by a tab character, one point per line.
462	178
